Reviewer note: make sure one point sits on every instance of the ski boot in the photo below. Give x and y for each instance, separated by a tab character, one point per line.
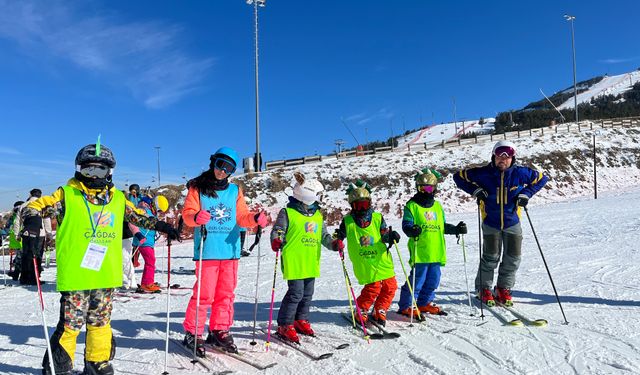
486	297
148	288
190	340
288	333
379	317
432	309
503	296
303	327
223	339
98	368
408	311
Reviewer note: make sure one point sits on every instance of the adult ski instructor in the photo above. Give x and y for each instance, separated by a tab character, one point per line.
500	188
90	213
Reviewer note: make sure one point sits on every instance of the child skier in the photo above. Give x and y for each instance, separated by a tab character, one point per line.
151	207
367	235
90	213
424	222
15	243
299	231
219	209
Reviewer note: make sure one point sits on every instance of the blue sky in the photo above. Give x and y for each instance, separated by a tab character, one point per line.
180	75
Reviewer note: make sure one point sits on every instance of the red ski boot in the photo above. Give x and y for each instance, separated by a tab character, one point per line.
486	297
503	296
303	327
288	333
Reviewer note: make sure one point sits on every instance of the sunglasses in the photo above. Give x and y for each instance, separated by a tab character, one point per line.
362	205
427	188
94	171
505	152
225	165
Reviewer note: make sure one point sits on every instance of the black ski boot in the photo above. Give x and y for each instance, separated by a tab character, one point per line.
223	339
190	340
98	368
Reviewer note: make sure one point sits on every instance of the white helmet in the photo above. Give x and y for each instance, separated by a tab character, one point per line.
308	192
506	145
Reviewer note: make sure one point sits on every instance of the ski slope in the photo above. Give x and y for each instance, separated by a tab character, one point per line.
590	246
610	85
437	133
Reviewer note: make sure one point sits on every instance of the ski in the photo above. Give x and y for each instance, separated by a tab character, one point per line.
358	327
240	356
528	321
201	361
299	347
406	319
516	322
382	329
319	341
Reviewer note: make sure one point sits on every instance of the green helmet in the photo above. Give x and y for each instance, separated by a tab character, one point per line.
427	177
358	191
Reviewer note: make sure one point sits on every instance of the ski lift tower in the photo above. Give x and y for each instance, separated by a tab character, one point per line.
339	143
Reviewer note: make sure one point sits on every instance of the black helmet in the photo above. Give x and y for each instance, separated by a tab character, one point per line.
135	187
35	193
18	204
88	154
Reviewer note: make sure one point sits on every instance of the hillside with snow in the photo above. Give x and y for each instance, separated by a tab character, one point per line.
589	245
609	85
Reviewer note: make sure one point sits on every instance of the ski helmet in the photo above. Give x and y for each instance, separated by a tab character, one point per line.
427	177
35	193
309	192
225	153
135	187
18	204
88	154
161	203
504	148
358	191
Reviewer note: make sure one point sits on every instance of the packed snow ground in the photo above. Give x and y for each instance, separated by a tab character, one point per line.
590	245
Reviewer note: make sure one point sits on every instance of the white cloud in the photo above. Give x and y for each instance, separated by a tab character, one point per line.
9	151
618	61
381	114
145	57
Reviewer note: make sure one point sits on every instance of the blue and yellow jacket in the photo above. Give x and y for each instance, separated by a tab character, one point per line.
500	210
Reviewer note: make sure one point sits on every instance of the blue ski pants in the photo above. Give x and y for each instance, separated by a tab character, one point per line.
427	281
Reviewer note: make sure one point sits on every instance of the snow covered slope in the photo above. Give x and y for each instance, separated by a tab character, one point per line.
610	85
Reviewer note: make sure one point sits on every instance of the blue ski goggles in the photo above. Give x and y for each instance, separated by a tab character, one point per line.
224	165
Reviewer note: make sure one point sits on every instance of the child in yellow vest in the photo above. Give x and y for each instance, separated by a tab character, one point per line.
424	223
367	237
90	212
299	231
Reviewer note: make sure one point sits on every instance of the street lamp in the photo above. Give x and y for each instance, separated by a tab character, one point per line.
573	47
256	4
158	149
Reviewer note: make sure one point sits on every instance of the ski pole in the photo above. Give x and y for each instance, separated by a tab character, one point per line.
413	282
545	265
466	278
203	234
404	270
44	320
166	343
255	300
4	269
355	300
10	260
480	264
273	295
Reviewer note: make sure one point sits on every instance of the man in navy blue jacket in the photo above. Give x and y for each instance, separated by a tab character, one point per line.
501	188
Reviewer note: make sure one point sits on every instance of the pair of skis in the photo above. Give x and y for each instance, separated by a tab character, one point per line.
302	349
377	333
511	316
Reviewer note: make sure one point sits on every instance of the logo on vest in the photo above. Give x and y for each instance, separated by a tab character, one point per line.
104	219
366	241
221	213
310	227
430	216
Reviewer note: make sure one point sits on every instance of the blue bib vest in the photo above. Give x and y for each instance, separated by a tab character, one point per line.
223	234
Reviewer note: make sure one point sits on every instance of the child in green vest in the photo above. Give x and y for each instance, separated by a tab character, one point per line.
424	223
367	237
299	232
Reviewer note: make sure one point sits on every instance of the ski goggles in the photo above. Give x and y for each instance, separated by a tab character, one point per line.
505	152
361	205
427	188
224	165
94	170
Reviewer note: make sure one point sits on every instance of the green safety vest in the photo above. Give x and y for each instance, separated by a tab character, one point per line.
74	235
301	252
14	241
369	255
430	245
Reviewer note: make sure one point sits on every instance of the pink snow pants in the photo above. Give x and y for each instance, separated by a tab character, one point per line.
149	256
219	279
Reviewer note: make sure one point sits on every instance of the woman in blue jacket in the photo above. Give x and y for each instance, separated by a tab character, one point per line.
501	188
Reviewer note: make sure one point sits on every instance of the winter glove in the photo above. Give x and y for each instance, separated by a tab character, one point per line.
337	245
32	224
394	237
480	195
414	231
522	200
141	238
276	244
461	228
202	217
261	219
171	232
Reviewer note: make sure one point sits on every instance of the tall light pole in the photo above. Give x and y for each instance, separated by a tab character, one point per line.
573	47
256	4
158	149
